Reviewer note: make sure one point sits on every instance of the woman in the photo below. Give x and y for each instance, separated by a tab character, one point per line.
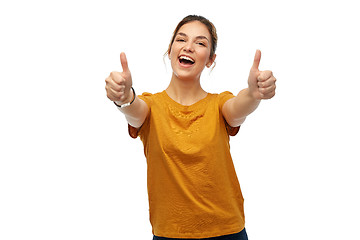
193	189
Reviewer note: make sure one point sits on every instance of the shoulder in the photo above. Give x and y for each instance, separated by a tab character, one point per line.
222	97
149	98
226	94
148	95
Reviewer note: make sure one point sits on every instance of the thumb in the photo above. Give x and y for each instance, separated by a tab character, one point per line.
124	63
257	58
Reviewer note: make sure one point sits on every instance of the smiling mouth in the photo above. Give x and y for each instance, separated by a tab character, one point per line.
186	60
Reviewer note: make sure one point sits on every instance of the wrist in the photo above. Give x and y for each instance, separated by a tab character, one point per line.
252	95
128	101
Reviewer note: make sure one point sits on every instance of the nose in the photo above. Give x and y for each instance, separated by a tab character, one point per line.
188	47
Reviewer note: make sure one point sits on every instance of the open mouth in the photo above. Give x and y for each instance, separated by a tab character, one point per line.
186	60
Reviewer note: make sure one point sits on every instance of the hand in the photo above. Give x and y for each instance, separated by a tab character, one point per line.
118	84
261	83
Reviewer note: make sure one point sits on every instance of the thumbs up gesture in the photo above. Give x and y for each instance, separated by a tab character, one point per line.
261	83
118	84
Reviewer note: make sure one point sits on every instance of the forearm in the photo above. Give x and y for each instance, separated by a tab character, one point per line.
244	104
136	113
238	108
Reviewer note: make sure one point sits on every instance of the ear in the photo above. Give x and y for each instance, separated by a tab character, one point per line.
168	54
211	61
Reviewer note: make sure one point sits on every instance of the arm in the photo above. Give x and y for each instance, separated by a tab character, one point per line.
118	89
136	113
235	110
261	86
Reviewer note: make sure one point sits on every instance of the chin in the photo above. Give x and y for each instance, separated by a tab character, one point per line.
186	74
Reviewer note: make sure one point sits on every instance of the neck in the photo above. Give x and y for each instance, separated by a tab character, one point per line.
185	92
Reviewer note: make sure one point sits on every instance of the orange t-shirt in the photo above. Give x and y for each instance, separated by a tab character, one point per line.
192	184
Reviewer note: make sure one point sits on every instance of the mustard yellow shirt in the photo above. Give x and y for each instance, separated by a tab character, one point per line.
192	184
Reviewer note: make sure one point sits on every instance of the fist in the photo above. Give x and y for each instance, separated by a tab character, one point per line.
118	84
261	83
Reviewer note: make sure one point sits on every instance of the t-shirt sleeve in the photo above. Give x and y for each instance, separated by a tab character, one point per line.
135	132
223	97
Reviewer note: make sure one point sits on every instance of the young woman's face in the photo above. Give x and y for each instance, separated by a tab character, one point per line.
190	51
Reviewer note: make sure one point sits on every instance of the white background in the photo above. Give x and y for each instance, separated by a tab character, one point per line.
69	170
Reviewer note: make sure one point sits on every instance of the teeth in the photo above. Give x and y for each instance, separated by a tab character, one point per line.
186	58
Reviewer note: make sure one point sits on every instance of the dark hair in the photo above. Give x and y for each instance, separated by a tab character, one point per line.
206	22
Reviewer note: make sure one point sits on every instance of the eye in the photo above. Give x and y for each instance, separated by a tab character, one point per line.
201	44
180	40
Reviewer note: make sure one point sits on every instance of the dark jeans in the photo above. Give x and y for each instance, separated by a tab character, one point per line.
237	236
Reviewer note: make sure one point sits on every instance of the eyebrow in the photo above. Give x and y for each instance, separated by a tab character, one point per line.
198	37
